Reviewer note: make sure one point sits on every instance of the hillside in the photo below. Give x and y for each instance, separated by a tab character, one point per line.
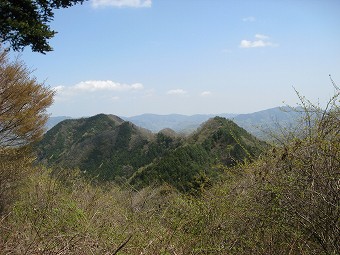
192	166
110	148
227	141
102	145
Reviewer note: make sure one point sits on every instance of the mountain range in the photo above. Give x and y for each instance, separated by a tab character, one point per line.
260	123
180	123
111	149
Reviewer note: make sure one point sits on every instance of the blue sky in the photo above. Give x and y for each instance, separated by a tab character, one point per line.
128	57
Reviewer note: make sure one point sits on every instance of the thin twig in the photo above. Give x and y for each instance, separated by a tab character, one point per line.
122	245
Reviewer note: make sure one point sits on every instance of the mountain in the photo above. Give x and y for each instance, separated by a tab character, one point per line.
226	141
110	148
192	165
263	123
258	123
103	145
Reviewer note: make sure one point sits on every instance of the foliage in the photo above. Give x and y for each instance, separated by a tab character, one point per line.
25	23
182	168
15	166
300	181
228	142
191	167
23	104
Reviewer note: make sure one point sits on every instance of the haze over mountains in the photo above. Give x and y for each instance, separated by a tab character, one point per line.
177	122
257	123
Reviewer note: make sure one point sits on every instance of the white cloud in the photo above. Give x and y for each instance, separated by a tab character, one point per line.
260	41
94	86
254	44
106	85
206	93
122	3
249	19
176	92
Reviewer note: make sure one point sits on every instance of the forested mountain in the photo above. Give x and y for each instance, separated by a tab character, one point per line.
110	148
194	165
102	145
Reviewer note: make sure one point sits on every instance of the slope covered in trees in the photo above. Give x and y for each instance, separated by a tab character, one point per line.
195	165
110	148
102	145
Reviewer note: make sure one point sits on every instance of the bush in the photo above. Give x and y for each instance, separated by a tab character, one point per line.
14	168
299	183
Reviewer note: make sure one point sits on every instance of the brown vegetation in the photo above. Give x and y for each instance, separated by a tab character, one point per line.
23	103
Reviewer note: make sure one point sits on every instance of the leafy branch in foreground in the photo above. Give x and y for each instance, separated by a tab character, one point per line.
24	23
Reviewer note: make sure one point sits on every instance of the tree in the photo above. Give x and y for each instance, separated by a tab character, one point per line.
299	183
25	22
23	104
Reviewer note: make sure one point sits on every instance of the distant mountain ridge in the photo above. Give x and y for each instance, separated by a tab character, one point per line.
263	123
177	122
257	123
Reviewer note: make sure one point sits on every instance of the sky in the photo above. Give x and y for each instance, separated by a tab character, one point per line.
129	57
